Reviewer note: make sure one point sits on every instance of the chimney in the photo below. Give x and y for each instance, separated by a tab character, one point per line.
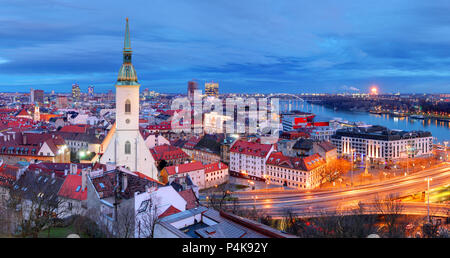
65	172
124	182
220	163
83	179
73	169
176	169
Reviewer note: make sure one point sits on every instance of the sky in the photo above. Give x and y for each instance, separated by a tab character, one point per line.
247	46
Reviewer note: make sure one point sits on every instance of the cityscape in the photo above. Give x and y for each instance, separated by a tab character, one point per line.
134	160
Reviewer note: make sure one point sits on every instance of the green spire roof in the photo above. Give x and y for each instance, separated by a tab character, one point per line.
127	45
127	74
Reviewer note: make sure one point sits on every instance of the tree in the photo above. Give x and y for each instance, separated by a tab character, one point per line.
330	224
162	164
147	217
218	196
123	225
390	209
35	203
335	170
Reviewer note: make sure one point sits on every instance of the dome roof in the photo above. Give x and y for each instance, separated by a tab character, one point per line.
127	75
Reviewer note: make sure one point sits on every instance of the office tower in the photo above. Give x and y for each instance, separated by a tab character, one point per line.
76	92
212	89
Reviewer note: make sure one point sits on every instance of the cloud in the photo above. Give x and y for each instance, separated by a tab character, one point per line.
297	46
348	88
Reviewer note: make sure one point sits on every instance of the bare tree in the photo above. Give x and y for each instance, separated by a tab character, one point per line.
218	196
147	217
123	225
334	170
35	203
390	209
6	220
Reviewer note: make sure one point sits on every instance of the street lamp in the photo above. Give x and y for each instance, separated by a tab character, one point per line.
428	179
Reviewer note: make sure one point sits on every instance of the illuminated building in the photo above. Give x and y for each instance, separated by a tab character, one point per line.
76	92
36	96
91	91
378	142
212	89
192	87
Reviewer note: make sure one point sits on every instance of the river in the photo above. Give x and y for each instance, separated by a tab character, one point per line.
439	129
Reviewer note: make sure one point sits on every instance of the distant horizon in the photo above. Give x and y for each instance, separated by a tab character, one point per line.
220	93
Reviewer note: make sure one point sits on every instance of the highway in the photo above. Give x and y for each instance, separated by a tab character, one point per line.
275	202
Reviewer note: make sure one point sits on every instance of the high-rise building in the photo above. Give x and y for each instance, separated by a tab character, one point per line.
76	92
126	147
192	87
31	95
38	96
61	102
110	95
212	89
91	91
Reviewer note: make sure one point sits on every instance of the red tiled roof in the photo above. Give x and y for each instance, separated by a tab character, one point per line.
8	175
301	163
161	126
167	152
23	112
184	168
215	167
190	144
140	175
251	148
171	210
190	198
71	184
170	112
74	129
326	146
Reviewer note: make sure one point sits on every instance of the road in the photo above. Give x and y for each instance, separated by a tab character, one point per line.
275	202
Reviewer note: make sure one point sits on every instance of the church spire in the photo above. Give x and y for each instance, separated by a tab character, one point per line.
127	74
127	45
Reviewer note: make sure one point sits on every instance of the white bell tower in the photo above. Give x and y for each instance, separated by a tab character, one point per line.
127	146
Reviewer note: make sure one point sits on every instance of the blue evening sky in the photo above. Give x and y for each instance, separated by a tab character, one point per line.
245	45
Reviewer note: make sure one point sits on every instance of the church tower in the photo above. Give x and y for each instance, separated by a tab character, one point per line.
36	114
127	91
127	147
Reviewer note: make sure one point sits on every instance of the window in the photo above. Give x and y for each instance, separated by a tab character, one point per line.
127	106
127	147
